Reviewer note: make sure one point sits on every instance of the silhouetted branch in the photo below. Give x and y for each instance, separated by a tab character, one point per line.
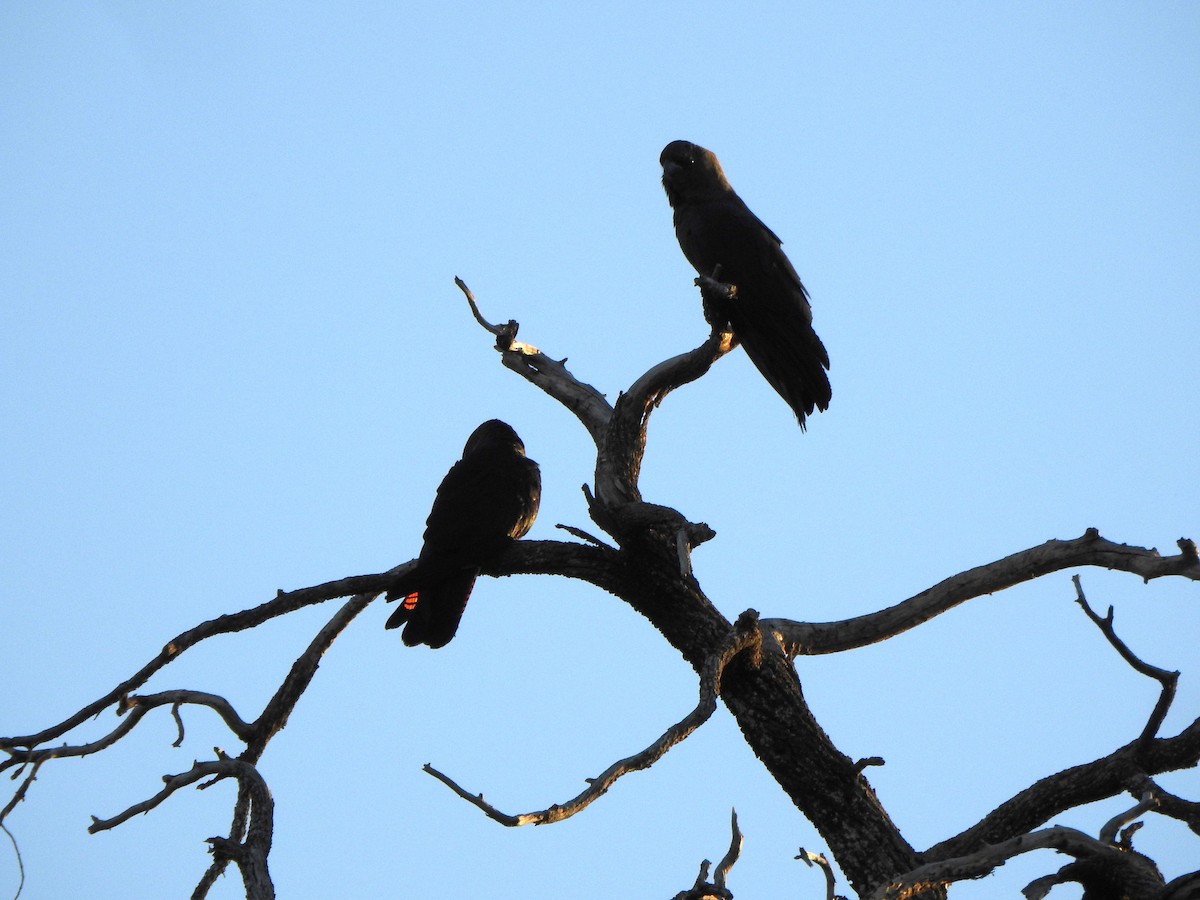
282	604
810	638
618	430
1108	833
809	858
701	889
585	536
178	698
252	810
551	376
974	865
1186	811
250	856
20	863
1076	786
710	687
1168	680
273	717
731	855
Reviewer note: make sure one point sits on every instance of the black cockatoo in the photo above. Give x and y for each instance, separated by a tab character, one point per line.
770	314
487	500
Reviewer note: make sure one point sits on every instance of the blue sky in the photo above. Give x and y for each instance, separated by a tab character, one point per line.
233	360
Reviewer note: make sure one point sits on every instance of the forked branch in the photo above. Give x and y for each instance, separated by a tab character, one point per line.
1168	680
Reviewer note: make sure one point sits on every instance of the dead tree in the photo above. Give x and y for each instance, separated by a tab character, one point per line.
748	664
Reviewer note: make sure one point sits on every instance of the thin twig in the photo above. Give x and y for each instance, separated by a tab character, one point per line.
65	751
710	687
809	858
585	536
1108	834
1185	811
282	604
21	791
172	784
488	326
731	855
1168	680
20	863
551	376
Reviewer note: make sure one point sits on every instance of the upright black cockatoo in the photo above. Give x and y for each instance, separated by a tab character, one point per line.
487	500
770	313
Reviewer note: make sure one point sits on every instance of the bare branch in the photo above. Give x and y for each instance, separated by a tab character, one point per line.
809	858
731	855
701	889
172	784
282	604
1168	680
1185	811
975	865
21	791
1053	556
551	376
250	856
64	751
1076	786
177	698
584	535
498	330
710	687
275	714
1108	834
619	430
20	862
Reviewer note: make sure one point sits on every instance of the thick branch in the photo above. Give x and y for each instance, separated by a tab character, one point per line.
1076	786
975	865
1053	556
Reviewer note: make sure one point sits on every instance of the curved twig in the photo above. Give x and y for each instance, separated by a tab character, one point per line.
1168	680
1185	811
20	862
731	855
809	858
1108	833
710	687
551	376
282	604
178	698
